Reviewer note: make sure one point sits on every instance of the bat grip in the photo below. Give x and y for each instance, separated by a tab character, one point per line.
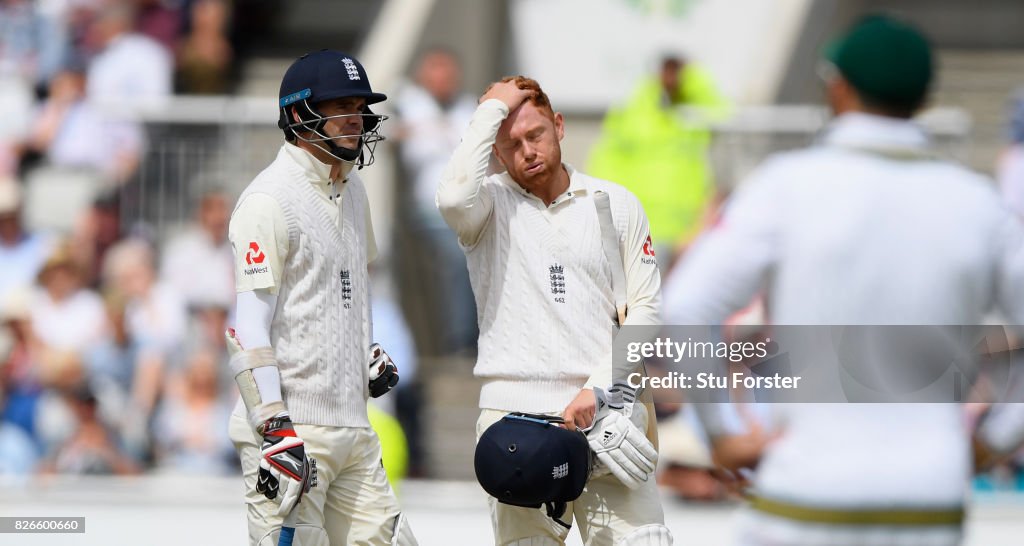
288	529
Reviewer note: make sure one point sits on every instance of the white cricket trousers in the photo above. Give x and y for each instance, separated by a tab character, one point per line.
352	502
605	512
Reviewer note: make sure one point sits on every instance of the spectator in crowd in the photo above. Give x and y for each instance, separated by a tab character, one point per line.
656	145
97	230
160	20
20	366
73	133
199	263
18	453
192	437
206	326
204	57
92	448
433	113
1010	170
66	316
31	42
111	363
127	65
155	319
21	253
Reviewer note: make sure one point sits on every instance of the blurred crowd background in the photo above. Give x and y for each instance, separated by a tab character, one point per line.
128	127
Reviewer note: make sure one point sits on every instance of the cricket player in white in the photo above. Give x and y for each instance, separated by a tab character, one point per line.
867	227
303	357
542	283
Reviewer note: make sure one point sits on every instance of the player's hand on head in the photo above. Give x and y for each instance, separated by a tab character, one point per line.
580	412
507	92
286	472
383	371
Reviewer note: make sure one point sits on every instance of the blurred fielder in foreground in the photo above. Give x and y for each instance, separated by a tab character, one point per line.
866	227
303	358
532	235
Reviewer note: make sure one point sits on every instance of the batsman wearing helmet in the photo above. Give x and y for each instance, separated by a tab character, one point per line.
534	236
302	353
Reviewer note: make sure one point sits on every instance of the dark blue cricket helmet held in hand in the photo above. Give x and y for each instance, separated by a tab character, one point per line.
321	76
531	461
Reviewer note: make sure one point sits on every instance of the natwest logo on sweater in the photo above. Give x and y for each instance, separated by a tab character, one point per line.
648	257
648	247
255	255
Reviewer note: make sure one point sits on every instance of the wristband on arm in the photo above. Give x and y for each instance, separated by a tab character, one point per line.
242	363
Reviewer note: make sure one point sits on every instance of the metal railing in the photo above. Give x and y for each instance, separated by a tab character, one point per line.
196	144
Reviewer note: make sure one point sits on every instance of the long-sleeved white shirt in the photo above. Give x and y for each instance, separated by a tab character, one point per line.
865	228
305	250
540	276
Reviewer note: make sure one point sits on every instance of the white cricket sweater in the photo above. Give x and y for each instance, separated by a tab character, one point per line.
321	327
846	232
540	277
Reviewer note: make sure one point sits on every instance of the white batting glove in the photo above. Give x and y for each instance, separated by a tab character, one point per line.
620	446
285	469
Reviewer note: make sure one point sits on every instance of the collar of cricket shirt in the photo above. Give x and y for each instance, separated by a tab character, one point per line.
577	185
881	135
316	171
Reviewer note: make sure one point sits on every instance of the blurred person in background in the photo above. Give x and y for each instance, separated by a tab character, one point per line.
67	316
33	43
302	350
72	133
206	325
30	50
1010	168
532	235
155	320
205	54
127	65
433	113
18	453
161	20
110	364
866	227
92	448
189	424
21	363
656	144
22	253
96	231
198	263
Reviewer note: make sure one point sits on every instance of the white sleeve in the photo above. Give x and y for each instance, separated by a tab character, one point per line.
463	203
643	285
726	266
1010	276
254	311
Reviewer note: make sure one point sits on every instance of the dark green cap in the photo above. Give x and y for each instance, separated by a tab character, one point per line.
885	60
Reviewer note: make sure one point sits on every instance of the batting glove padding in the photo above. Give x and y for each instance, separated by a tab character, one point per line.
623	449
383	372
285	470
